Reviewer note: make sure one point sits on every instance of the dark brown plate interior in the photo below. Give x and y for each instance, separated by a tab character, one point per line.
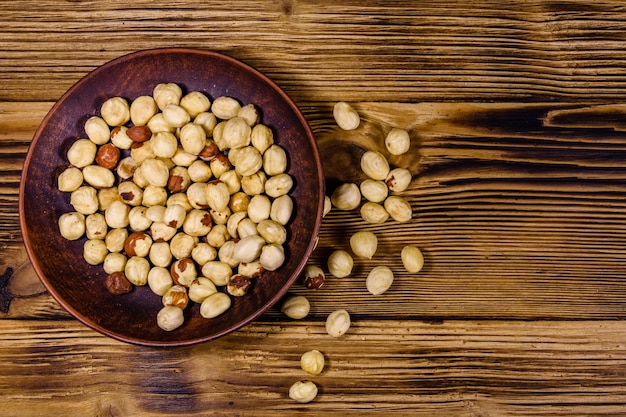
79	287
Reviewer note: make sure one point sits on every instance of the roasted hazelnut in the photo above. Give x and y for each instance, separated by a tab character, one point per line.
313	277
106	196
196	195
160	280
217	271
98	176
141	151
179	180
218	236
108	156
254	184
250	269
160	254
137	244
96	226
167	93
85	200
219	165
261	137
272	232
239	202
197	223
238	285
192	138
130	193
117	283
200	289
278	185
183	158
114	262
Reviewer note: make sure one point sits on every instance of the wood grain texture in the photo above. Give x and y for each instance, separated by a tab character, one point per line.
406	368
517	119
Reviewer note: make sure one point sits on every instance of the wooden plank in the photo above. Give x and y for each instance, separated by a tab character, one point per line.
467	368
337	50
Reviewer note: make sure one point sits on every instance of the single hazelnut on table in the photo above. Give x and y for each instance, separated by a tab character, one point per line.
313	277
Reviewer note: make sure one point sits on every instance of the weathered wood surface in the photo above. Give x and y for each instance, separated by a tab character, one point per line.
517	114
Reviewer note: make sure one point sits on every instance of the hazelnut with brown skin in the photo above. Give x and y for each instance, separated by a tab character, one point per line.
117	283
137	244
313	277
139	133
108	156
238	285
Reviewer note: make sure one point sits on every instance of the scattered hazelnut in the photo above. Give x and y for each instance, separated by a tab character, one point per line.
345	116
340	263
338	323
412	258
117	283
364	244
313	277
303	391
312	362
379	280
296	307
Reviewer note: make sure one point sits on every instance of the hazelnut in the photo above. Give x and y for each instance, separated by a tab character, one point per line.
374	165
130	193
250	269
248	160
182	245
207	120
184	271
82	153
97	130
295	307
115	111
175	115
398	179
379	280
170	318
397	141
217	195
272	232
278	185
203	253
164	144
214	305
364	244
373	190
254	184
209	151
136	270
108	156
142	109
412	258
157	123
192	138
167	93
374	213
160	280
217	271
115	239
195	103
274	160
126	168
120	139
200	289
346	197
225	107
345	116
219	165
282	209
139	134
249	248
117	283
312	362
176	296
160	254
259	208
174	215
114	262
313	277
98	176
161	232
303	391
340	263
199	171
70	179
338	323
156	172
238	285
218	235
137	244
272	256
250	114
197	223
261	137
398	208
239	202
85	200
154	195
94	251
96	226
72	225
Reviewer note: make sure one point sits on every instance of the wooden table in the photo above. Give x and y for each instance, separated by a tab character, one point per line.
518	124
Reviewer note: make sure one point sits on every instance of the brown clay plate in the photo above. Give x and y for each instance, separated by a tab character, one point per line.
77	286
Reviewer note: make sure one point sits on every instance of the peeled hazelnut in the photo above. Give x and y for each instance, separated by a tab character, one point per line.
106	196
108	156
70	179
272	256
281	209
137	218
217	271
219	165
98	176
203	253
249	113
184	271
161	232
225	107
274	160
126	168
160	280
250	269
85	200
375	191
176	296
236	134
261	137
96	226
195	103
214	305
272	232
115	111
397	141
197	223
248	161
259	208
239	202
338	323
346	197
120	139
94	251
254	184
340	263
141	151
238	285
164	144
192	138
295	307
278	185
217	195
157	123
160	254
82	153
97	130
375	165
249	248
174	215
154	195
218	235
142	109
170	318
183	158
167	93
398	208
374	213
398	179
220	216
156	172
328	205
115	239
412	258
364	244
210	150
200	289
303	391
313	277
312	362
117	283
130	193
114	262
207	120
345	116
175	115
72	225
199	171
182	245
227	253
246	227
136	270
379	280
138	244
